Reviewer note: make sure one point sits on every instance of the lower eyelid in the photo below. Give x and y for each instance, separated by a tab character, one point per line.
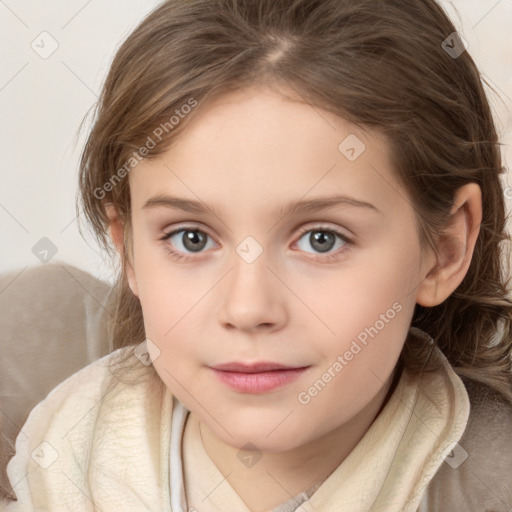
180	255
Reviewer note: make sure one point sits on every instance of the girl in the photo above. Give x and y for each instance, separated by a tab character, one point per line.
312	308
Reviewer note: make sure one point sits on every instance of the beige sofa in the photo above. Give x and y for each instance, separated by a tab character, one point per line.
53	322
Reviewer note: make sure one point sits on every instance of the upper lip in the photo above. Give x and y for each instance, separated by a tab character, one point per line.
257	367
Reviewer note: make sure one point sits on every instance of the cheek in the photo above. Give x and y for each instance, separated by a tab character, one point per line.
370	329
376	290
168	299
368	310
167	291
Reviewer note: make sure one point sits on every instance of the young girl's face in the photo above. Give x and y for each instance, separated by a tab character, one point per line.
244	279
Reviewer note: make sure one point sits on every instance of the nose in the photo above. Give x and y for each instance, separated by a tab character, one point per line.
252	297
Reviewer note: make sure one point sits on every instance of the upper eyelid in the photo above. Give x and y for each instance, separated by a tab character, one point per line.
323	227
304	227
302	230
177	229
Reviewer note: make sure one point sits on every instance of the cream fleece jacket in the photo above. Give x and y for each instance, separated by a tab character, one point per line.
100	443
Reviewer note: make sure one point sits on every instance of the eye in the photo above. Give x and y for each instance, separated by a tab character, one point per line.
186	240
324	240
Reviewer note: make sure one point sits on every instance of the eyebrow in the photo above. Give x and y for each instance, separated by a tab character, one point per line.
307	205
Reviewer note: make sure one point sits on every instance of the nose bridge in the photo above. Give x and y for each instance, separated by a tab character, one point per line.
250	275
251	297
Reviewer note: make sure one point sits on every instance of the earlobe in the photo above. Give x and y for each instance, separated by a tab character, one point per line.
116	232
115	227
132	281
454	248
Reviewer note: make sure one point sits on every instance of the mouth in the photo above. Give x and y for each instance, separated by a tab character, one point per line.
259	377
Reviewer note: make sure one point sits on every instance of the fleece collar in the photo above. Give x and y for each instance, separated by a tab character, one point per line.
389	469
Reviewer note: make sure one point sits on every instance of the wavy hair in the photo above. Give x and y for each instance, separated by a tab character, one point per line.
394	66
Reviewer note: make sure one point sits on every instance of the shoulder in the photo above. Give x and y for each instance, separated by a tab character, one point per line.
489	408
78	430
74	394
477	475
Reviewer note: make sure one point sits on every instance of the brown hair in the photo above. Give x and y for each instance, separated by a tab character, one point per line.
383	64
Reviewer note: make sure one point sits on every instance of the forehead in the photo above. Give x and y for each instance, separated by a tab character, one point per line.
257	147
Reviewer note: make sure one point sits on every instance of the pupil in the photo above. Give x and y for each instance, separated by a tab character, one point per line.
322	241
192	238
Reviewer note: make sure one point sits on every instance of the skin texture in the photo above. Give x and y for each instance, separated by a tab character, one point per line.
247	154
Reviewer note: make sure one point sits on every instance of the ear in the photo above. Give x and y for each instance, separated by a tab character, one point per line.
116	232
455	248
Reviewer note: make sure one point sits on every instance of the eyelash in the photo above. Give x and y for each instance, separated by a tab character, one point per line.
178	256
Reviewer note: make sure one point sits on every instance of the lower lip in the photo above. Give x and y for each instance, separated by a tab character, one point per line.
258	382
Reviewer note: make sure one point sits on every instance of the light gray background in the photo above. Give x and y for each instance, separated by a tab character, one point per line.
42	102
